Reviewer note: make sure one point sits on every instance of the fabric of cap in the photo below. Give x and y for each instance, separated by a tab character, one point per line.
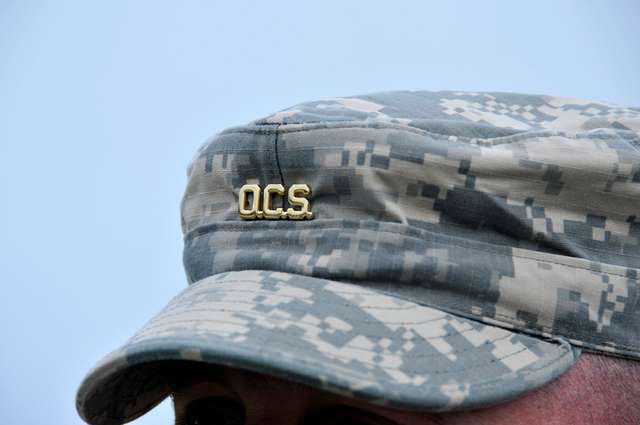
464	248
334	336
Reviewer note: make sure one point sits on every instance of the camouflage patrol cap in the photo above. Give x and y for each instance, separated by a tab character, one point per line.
462	249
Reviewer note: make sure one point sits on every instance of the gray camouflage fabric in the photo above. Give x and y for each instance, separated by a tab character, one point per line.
464	248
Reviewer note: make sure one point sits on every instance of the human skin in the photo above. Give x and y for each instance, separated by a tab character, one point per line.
597	390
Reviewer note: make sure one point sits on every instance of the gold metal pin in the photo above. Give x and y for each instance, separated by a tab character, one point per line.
255	203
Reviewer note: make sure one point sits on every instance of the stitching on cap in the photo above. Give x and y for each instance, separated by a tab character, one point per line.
596	133
404	355
509	324
160	323
275	147
547	360
532	136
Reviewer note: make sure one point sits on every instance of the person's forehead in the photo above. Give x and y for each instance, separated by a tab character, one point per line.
253	389
593	390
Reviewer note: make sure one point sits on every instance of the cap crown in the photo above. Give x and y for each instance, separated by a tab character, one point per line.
518	210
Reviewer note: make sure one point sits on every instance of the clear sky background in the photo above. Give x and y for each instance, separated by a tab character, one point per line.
103	104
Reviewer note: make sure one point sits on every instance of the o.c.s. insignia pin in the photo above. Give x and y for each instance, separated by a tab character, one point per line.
254	202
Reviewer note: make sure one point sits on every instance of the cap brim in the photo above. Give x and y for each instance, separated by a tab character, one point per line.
337	336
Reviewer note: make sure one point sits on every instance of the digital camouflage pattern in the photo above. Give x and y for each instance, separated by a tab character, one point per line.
332	335
464	248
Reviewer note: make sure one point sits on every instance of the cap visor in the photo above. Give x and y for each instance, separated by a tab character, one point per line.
340	337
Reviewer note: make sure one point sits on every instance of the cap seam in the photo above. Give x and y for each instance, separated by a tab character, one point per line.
365	125
595	133
277	155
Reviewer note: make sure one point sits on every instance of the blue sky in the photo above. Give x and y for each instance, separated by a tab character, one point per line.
103	104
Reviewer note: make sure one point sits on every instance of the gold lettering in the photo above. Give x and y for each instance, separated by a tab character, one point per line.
295	200
251	197
254	210
269	212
